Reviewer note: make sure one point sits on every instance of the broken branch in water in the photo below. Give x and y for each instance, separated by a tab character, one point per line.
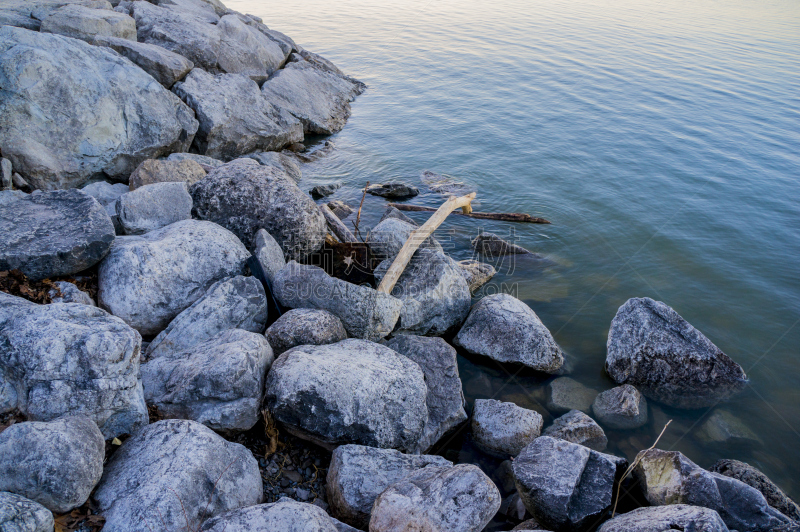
502	216
336	226
358	216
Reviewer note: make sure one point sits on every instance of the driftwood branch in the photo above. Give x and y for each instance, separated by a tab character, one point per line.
358	216
336	226
418	236
501	216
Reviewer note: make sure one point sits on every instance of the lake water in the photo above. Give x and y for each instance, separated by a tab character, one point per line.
661	138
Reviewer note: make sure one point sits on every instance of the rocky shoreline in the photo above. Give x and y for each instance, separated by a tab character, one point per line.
182	345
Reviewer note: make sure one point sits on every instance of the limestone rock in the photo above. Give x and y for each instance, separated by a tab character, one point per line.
269	255
341	209
623	407
18	514
651	347
285	515
148	280
353	391
304	327
56	463
166	171
387	238
505	329
243	49
322	191
84	23
107	194
279	160
662	518
358	474
65	292
84	86
47	234
393	190
476	273
206	163
153	206
756	479
565	394
577	427
165	66
204	474
504	429
492	245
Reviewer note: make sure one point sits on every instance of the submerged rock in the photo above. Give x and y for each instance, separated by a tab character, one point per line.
47	234
352	391
141	119
84	23
166	171
285	515
577	427
393	190
504	429
153	206
358	474
56	464
623	407
165	66
756	479
304	326
24	515
322	191
662	518
494	246
505	329
565	394
723	427
204	475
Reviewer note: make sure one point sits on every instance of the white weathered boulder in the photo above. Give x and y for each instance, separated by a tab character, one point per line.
56	463
269	255
166	171
153	206
662	518
173	475
504	429
353	391
505	329
623	407
165	66
148	280
285	515
653	348
46	76
304	326
577	427
18	514
84	23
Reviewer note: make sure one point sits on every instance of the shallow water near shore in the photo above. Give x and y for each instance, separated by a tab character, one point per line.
661	138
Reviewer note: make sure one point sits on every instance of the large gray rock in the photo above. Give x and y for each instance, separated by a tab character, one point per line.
577	427
46	234
285	515
445	399
279	160
84	23
565	394
107	194
30	13
6	174
566	486
358	474
319	99
153	206
304	326
663	518
387	238
70	359
668	477
392	190
353	391
243	49
165	66
651	347
166	171
46	76
56	463
754	478
206	163
18	514
173	475
504	429
148	280
65	292
234	117
235	303
244	197
269	255
505	329
437	499
219	383
476	273
623	407
365	313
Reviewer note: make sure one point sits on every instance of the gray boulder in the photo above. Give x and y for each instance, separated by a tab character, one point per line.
70	359
285	515
18	514
397	214
724	427
651	347
153	206
392	190
387	238
566	486
206	163
319	99
245	197
173	475
234	117
29	13
358	474
504	429
269	255
234	303
352	391
323	191
148	280
6	174
304	326
476	273
663	518
565	394
166	171
623	407
107	194
756	479
279	160
577	427
64	292
341	209
56	463
445	399
84	86
243	49
437	499
365	313
84	23
528	524
668	477
10	196
219	383
165	66
492	245
47	234
505	329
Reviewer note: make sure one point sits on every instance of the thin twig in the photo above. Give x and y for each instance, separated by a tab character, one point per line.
358	216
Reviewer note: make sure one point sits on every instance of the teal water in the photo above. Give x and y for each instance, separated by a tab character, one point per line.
661	138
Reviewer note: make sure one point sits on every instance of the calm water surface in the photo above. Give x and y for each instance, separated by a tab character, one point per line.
661	138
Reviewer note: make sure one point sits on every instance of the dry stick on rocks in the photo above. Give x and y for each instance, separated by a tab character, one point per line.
633	465
336	226
358	216
418	236
502	216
